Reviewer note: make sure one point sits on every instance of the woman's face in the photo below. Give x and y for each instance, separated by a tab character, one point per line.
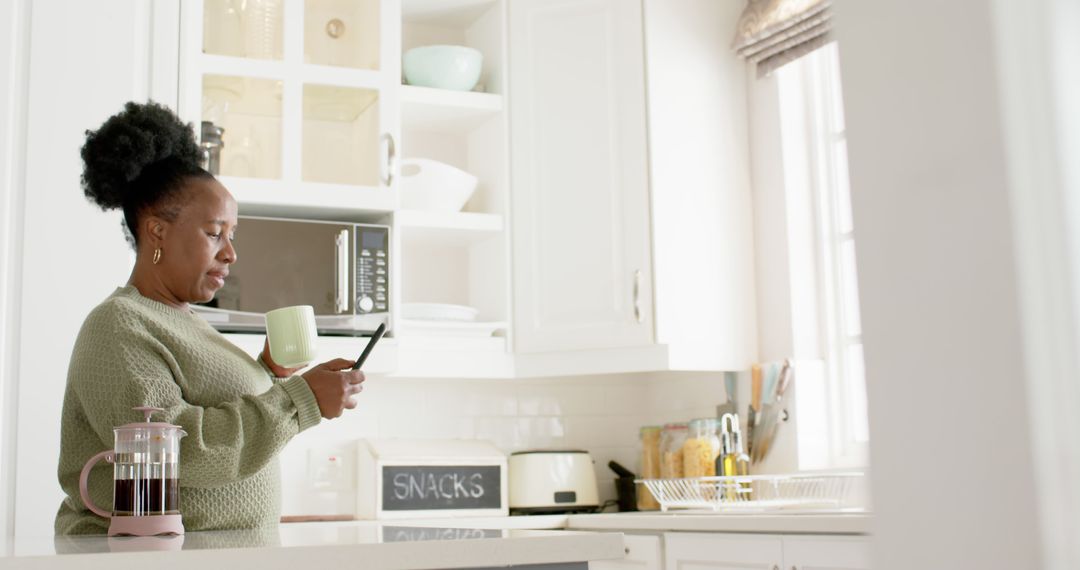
196	247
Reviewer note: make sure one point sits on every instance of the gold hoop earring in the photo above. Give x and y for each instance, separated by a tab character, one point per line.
157	255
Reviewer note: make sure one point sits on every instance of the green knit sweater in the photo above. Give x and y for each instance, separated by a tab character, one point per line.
134	351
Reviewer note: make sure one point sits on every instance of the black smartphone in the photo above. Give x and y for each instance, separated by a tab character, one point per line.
370	345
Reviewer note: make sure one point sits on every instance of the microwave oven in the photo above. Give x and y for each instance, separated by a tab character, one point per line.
341	269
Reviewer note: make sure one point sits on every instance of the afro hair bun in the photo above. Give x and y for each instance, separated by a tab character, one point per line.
116	154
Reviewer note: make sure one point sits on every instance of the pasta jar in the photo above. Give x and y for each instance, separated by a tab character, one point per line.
701	449
650	466
671	444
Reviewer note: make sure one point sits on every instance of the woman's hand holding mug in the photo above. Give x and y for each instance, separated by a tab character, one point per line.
277	370
291	343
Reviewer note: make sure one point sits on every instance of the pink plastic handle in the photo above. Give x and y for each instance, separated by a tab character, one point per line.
107	455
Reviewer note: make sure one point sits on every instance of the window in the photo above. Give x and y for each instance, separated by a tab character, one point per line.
815	158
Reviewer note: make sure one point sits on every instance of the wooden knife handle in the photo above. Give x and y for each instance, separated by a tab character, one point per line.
755	387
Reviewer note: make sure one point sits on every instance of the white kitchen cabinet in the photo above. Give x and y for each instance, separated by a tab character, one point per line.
602	152
703	249
643	552
701	551
307	94
826	553
318	123
581	245
626	193
713	551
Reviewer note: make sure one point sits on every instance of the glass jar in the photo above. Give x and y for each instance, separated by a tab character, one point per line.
701	449
650	466
671	444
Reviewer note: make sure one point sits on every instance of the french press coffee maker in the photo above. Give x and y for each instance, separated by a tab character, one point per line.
146	478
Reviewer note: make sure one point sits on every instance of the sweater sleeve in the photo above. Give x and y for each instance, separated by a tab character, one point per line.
224	443
262	364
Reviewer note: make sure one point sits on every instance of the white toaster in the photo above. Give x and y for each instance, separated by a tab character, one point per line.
552	481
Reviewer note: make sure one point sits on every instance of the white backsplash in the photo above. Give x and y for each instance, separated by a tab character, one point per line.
601	414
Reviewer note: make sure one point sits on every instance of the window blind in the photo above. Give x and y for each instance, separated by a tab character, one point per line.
773	32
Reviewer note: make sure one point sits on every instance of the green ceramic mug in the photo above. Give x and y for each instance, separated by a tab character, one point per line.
292	335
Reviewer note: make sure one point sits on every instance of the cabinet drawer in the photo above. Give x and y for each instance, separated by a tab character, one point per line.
642	553
712	551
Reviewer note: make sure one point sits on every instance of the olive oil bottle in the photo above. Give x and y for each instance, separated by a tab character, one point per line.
742	463
733	460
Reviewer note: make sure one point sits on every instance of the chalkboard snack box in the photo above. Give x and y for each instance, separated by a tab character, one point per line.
402	478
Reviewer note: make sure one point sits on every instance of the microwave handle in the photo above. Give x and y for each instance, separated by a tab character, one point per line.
391	159
341	271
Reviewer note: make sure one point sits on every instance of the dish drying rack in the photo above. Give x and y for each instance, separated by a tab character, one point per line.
757	492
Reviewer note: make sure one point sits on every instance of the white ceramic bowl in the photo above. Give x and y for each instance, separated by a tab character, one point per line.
443	67
433	185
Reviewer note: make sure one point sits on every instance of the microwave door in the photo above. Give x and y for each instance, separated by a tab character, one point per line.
282	263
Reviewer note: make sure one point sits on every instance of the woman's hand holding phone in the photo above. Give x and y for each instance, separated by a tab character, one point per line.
335	383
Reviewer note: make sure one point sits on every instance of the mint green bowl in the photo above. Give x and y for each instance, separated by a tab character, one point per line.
443	67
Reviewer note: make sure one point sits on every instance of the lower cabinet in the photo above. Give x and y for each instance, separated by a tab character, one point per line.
710	551
643	552
826	553
721	551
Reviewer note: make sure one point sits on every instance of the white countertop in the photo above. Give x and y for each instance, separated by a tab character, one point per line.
411	544
705	521
811	522
358	544
675	521
678	521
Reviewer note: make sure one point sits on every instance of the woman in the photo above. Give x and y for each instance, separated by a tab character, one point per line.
143	346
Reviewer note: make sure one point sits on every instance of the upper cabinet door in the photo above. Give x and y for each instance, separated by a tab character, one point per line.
300	96
581	240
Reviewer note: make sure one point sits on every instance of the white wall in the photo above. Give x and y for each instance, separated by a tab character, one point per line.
601	414
1037	49
73	254
13	70
953	483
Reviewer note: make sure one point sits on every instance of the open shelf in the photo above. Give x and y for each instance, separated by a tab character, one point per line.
304	72
315	200
445	111
448	228
458	13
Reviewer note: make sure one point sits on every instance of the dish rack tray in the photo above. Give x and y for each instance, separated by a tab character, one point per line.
757	492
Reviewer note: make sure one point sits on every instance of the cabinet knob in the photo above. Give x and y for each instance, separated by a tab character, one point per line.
639	316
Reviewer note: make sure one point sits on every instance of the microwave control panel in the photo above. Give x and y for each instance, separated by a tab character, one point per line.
372	249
